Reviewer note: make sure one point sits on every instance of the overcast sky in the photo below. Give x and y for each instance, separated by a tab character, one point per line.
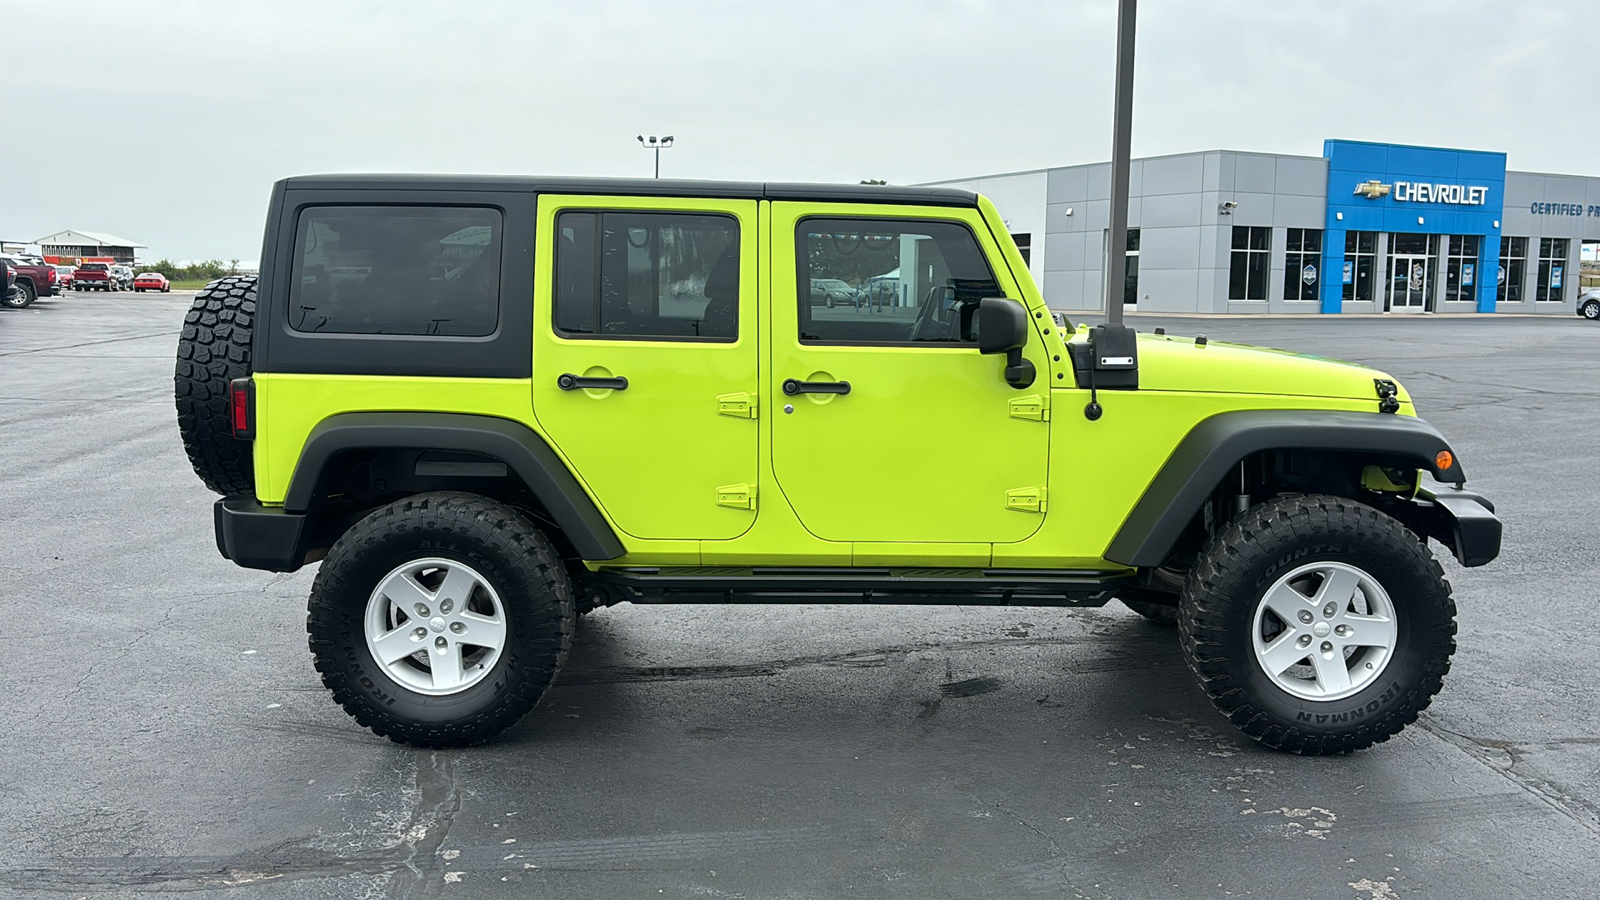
172	134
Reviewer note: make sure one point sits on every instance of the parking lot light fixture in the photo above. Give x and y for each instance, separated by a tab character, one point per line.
653	143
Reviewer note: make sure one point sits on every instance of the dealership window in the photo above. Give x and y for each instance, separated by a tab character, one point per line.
1130	279
1552	269
1360	249
647	275
1513	269
890	281
1302	264
429	270
1247	277
1024	244
1461	267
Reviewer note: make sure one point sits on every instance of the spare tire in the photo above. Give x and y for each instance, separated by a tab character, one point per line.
214	349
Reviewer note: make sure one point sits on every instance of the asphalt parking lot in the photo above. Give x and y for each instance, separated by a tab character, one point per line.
165	731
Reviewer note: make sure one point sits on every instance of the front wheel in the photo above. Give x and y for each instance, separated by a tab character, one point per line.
1318	624
441	619
1591	310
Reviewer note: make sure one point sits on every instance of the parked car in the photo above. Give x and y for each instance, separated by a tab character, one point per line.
151	281
35	278
63	278
124	276
1275	508
94	277
10	282
1589	305
831	292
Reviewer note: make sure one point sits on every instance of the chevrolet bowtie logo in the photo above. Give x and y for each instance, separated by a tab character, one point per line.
1373	189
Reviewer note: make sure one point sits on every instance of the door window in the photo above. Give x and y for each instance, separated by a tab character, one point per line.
647	275
889	281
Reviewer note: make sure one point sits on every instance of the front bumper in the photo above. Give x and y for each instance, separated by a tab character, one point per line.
1460	519
261	537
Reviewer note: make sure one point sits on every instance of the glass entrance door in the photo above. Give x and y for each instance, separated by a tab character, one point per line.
1408	283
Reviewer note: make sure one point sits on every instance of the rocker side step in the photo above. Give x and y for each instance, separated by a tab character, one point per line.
989	587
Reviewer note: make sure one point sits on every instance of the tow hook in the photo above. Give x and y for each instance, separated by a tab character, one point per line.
1387	403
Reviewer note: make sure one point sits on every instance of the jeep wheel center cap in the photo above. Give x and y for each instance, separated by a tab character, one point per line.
436	623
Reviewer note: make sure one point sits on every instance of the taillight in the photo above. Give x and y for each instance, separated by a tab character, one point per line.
241	403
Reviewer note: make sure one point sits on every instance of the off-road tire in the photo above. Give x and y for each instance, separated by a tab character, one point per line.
214	349
1158	613
1245	558
22	298
505	549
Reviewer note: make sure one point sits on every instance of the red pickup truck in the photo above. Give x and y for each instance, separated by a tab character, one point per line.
34	279
94	277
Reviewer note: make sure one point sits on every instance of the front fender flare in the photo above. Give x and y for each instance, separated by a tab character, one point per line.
1217	444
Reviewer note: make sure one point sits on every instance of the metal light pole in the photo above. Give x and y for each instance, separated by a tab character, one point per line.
657	146
1121	137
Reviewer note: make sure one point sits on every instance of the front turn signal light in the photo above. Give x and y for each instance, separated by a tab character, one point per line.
1444	460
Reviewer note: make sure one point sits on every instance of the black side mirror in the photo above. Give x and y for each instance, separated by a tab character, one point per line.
1003	328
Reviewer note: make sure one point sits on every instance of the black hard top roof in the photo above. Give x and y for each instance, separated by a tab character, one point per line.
641	187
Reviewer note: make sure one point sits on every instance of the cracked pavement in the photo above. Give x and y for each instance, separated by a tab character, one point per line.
167	733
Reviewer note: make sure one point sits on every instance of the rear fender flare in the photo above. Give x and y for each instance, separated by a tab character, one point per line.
513	443
1216	445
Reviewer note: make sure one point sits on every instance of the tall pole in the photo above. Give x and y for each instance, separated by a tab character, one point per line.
1121	137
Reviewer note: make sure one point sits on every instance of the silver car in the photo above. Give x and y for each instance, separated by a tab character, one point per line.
1589	305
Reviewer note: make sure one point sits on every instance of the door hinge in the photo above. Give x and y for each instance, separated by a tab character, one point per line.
1032	407
737	496
1029	499
739	406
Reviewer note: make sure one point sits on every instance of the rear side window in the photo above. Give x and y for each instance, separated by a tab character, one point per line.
889	281
418	270
647	275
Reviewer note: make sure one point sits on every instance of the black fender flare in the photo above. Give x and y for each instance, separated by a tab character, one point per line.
1217	444
513	443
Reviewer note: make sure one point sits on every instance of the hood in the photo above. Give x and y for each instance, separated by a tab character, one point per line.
1173	363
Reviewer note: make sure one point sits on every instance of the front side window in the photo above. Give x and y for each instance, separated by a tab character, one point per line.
1247	274
890	281
1302	264
1552	269
1513	268
397	270
647	275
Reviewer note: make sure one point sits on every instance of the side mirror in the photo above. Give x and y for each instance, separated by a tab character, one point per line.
1003	328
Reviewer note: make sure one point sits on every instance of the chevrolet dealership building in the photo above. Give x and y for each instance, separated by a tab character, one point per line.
1366	227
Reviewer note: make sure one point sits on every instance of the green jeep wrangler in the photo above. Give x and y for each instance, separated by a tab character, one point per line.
489	405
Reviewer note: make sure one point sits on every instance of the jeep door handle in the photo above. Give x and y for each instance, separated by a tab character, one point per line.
793	386
570	382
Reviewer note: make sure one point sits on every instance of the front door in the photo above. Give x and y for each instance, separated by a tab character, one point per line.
1408	283
644	360
889	425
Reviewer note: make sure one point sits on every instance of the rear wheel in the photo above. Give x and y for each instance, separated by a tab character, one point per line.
1591	310
21	298
441	619
1318	624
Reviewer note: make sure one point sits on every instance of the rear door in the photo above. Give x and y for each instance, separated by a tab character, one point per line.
644	358
929	445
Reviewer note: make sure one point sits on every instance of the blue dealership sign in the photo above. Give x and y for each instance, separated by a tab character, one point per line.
1400	189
